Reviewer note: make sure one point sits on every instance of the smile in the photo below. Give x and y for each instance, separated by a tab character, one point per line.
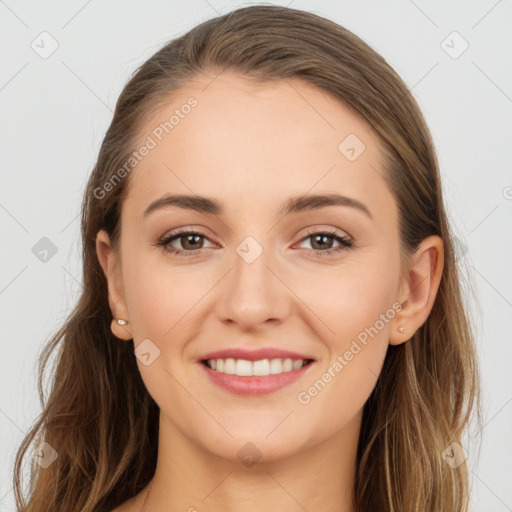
253	378
259	368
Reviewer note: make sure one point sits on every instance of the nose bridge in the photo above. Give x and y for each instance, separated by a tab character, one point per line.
252	294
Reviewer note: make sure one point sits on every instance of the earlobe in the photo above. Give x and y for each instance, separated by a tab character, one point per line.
109	263
418	289
121	330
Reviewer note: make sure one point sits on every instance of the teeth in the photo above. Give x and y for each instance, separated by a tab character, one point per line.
229	366
243	368
297	364
258	368
276	366
261	368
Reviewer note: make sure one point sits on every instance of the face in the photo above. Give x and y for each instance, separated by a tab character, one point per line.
319	279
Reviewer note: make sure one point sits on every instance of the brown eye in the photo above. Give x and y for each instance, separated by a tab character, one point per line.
190	243
321	242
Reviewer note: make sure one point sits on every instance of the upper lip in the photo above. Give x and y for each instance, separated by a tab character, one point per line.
254	355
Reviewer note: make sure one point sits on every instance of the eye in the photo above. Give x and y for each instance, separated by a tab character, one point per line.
320	239
189	240
192	244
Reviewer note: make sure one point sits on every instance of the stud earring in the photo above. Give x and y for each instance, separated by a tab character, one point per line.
401	329
121	321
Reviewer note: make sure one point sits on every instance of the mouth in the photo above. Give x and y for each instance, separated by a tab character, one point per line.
258	368
254	378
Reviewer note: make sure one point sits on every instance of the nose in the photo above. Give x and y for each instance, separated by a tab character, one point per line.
254	294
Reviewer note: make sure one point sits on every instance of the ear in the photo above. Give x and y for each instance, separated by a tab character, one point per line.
112	269
418	289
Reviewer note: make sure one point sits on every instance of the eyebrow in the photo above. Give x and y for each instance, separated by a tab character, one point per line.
292	205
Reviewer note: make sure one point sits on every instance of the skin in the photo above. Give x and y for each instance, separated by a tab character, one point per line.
252	147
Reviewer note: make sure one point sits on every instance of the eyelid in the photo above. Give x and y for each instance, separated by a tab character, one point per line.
330	230
192	229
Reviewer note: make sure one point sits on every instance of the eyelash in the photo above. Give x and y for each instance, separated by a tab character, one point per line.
163	243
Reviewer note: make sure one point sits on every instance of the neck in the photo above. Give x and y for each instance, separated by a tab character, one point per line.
189	478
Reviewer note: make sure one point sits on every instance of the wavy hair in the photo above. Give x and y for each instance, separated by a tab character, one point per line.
428	388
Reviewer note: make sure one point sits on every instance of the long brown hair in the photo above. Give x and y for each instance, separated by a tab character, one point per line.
98	415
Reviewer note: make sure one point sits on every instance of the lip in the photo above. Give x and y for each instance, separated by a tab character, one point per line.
254	386
254	355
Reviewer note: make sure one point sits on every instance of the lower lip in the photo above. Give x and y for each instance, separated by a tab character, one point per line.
254	386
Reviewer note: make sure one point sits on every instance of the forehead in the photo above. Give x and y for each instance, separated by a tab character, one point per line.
256	144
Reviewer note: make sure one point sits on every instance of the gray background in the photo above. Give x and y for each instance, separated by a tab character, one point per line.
55	110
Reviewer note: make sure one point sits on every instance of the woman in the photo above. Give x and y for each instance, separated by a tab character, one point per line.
271	316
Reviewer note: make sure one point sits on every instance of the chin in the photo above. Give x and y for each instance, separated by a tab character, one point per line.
253	448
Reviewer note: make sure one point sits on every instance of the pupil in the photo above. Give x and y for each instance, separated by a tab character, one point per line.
321	239
190	237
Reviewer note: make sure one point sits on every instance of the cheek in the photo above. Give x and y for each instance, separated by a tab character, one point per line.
355	306
161	298
162	302
350	298
359	311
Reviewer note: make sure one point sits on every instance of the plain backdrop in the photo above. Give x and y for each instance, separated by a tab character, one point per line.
55	109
